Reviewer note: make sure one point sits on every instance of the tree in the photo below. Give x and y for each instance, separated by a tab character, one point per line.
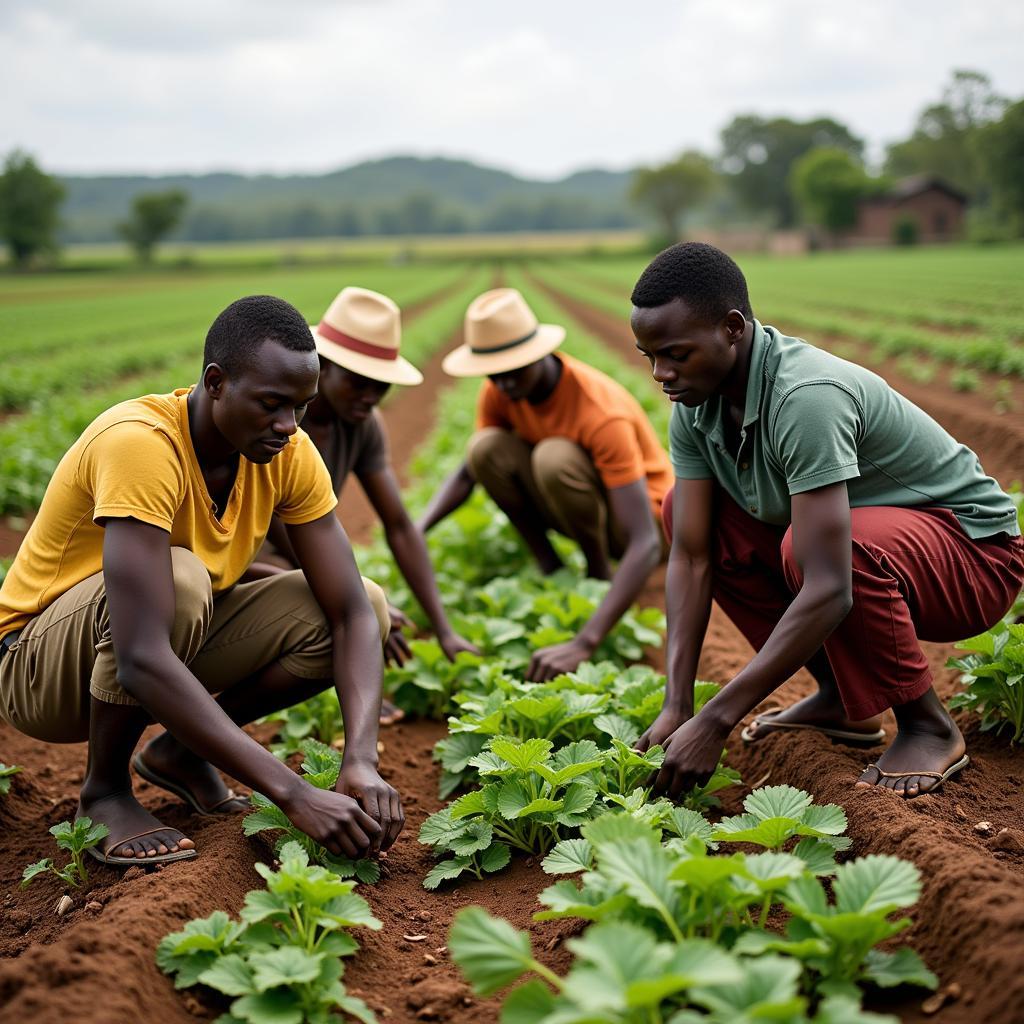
758	154
1000	148
943	140
672	189
29	205
828	184
154	216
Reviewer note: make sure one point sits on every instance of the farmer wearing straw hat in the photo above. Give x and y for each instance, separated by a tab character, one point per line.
358	341
124	604
559	446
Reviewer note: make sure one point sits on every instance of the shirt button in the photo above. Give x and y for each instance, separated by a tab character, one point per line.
744	465
753	508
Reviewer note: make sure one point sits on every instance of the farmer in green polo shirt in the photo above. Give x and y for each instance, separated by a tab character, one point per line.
833	521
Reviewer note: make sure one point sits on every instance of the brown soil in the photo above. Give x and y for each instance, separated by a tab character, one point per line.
969	924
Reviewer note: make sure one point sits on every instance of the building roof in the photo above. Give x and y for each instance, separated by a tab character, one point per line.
908	188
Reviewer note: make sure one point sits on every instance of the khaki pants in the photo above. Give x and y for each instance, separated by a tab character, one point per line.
65	654
556	477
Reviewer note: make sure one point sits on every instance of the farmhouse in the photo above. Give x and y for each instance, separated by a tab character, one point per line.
935	208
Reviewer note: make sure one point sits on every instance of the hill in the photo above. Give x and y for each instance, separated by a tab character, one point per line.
396	195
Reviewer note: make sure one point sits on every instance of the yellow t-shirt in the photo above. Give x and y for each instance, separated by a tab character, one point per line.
136	461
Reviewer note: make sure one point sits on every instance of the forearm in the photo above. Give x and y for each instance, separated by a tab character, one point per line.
410	552
688	584
638	560
358	676
804	627
178	701
453	493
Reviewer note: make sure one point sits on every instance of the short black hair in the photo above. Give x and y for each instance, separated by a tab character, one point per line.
704	277
237	334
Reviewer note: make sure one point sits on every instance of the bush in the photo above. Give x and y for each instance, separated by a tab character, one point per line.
905	231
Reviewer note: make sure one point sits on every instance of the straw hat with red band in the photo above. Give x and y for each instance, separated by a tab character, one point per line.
361	331
501	334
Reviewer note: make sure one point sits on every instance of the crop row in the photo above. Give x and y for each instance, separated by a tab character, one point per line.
31	445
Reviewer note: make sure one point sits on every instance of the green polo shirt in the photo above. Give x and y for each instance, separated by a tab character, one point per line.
813	419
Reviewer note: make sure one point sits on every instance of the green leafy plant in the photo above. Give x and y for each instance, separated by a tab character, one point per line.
993	674
75	837
281	962
318	718
321	767
427	682
6	771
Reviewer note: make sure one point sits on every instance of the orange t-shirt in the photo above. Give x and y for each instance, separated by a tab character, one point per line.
596	412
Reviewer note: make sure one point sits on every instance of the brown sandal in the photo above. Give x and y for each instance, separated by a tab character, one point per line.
941	776
160	858
180	791
847	736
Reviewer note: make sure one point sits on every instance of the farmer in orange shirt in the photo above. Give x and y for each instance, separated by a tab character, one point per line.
559	445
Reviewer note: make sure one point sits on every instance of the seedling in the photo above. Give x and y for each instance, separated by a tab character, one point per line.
74	837
281	961
993	675
318	718
6	771
321	768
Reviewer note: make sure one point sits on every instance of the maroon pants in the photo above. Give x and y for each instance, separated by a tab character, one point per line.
916	576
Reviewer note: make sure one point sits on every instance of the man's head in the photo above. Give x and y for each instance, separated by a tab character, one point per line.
260	373
524	381
351	396
691	310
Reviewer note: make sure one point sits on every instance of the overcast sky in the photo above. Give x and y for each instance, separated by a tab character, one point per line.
541	88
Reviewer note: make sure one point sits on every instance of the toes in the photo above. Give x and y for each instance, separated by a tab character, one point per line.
184	843
868	778
912	786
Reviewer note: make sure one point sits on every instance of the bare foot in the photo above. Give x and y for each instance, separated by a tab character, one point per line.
389	713
167	758
817	711
916	750
125	816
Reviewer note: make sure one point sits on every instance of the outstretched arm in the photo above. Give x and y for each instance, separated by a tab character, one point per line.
139	585
453	493
823	551
410	552
326	559
630	506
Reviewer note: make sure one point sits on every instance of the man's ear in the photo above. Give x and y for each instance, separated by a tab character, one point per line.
214	380
735	324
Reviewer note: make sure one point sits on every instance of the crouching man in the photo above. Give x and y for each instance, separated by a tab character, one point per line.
122	607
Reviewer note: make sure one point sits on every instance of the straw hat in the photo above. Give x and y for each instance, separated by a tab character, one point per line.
361	331
501	334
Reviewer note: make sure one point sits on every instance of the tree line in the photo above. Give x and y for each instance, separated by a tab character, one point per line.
776	171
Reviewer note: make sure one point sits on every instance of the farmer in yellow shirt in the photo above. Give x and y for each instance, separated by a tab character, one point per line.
122	605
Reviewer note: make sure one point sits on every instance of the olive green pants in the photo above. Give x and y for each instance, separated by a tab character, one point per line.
555	477
65	654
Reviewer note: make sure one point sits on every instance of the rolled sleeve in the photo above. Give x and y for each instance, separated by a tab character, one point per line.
688	460
616	453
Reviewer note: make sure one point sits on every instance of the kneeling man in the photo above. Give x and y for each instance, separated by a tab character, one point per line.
122	607
559	446
833	521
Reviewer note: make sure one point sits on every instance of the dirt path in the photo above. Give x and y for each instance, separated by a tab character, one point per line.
969	924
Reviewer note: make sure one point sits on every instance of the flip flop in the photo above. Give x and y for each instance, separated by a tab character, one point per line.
941	776
180	791
161	858
864	739
390	714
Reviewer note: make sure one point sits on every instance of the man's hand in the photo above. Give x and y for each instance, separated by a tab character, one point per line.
396	647
549	662
664	725
377	798
691	756
334	820
452	644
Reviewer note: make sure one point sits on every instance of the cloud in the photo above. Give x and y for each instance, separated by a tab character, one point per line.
540	87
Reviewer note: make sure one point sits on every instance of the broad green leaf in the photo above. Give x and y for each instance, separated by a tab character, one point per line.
522	755
495	857
757	943
261	904
876	884
613	828
806	896
439	829
264	819
819	857
351	910
276	1007
38	868
618	728
488	763
846	1010
568	857
577	801
772	871
534	709
771	833
777	802
476	836
445	870
642	868
683	822
566	774
456	750
829	819
902	967
564	899
767	989
703	873
357	1008
288	965
610	957
693	962
490	952
580	752
230	975
531	1003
